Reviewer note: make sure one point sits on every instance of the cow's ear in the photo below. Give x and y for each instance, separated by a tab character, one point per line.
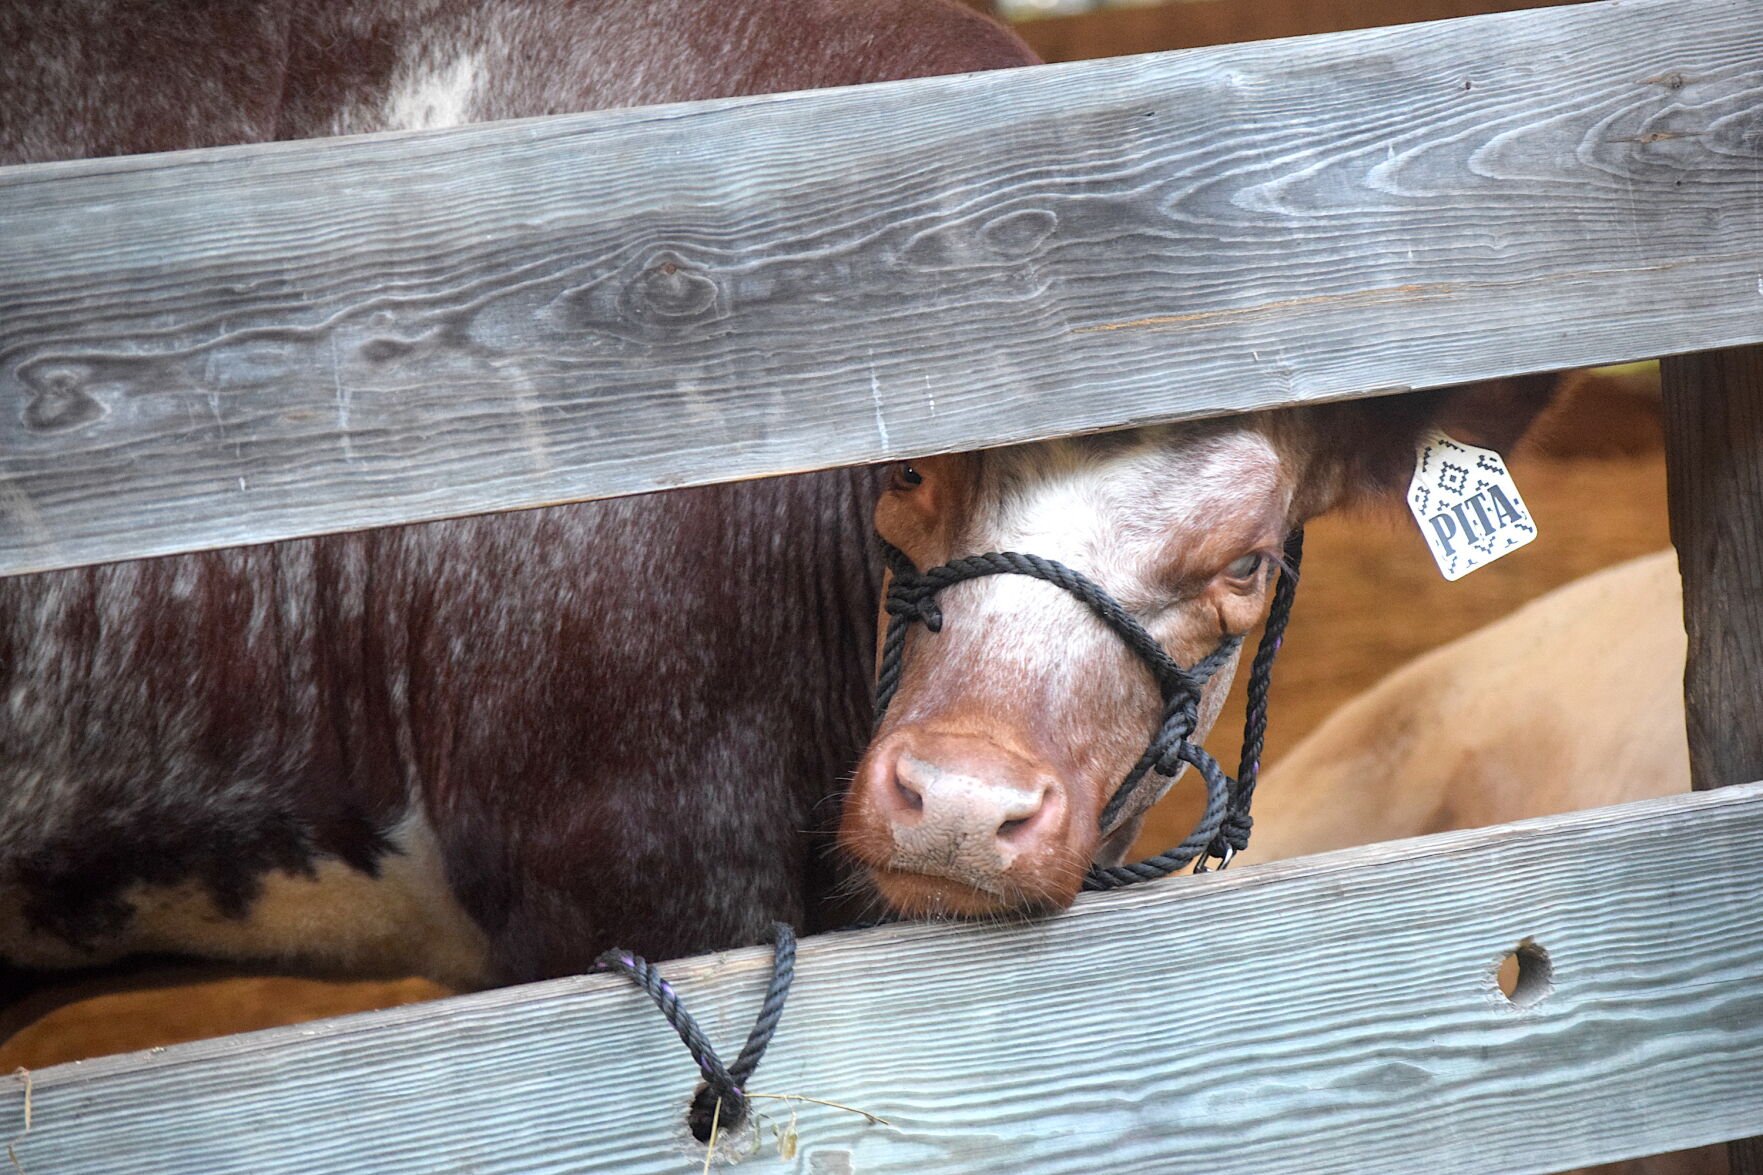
1361	451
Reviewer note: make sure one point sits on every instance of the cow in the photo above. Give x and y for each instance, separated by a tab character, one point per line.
484	750
1539	713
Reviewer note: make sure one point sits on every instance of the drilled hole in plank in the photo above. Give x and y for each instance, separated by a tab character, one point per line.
1525	975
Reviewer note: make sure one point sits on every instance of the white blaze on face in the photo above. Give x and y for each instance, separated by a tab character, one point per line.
1150	516
1114	508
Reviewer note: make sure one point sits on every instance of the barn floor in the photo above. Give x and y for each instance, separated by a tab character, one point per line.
1593	476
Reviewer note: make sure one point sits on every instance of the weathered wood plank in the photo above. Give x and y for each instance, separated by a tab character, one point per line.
232	346
1335	1014
1714	466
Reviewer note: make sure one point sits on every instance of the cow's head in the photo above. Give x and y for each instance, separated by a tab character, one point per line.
983	788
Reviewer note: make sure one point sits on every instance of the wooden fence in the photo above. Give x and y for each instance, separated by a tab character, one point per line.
1337	1013
239	345
295	338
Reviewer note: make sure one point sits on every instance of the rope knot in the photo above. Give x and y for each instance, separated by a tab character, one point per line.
722	1083
914	599
1235	831
1179	724
704	1113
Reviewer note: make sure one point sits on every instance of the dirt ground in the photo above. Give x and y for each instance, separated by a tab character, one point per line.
1593	476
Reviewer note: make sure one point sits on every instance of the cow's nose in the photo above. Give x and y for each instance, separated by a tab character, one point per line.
964	807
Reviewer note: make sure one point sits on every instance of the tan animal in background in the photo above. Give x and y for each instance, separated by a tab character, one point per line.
1573	701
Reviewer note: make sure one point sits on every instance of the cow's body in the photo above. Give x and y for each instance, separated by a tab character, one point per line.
480	750
484	750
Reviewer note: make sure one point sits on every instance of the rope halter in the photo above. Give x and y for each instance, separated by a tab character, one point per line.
1223	829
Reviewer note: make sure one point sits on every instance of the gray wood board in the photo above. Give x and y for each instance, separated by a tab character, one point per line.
1714	469
1714	472
1332	1014
230	346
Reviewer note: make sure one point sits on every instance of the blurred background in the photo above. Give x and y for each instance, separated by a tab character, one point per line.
1592	474
1067	30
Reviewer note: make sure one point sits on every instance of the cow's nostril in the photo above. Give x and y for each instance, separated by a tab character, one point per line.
1031	812
908	795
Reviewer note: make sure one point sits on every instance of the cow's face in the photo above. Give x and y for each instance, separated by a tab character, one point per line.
984	787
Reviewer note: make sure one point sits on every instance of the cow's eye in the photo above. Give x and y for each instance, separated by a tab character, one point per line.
1243	568
905	477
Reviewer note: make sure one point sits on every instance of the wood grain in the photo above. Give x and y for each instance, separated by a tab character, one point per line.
1714	471
1335	1014
232	346
1714	476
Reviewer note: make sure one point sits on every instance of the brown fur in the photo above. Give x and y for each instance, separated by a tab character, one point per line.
625	721
620	722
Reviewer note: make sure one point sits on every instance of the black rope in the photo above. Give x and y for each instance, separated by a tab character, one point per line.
1237	821
1223	828
721	1084
1221	833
